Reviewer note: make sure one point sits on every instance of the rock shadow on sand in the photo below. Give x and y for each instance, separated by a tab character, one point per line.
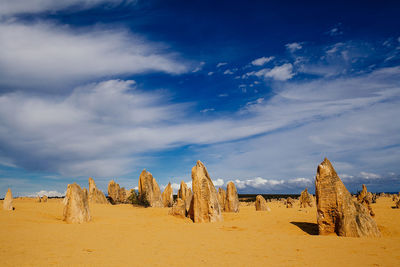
309	228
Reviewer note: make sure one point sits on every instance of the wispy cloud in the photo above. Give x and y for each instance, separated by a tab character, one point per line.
199	67
228	72
207	110
100	129
335	31
13	7
47	54
292	47
221	64
280	73
261	61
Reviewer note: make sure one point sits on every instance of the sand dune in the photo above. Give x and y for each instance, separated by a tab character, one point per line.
122	235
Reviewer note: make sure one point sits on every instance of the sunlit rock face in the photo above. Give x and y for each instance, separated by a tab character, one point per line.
149	189
76	208
221	197
8	201
306	199
95	195
232	198
204	206
167	196
261	204
337	212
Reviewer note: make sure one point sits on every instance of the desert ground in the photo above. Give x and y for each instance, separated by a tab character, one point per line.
123	235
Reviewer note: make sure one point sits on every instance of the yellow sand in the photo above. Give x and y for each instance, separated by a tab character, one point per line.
122	235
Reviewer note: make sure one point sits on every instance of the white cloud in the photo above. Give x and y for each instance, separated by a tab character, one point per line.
90	130
218	182
175	187
259	185
52	55
335	31
101	129
261	61
221	64
345	176
199	67
335	48
279	73
207	110
292	47
41	193
210	73
12	7
228	72
369	175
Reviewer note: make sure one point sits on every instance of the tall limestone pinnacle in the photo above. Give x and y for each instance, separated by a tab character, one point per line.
306	199
167	196
204	206
232	198
95	195
116	193
261	204
221	197
149	189
76	208
185	194
337	212
8	201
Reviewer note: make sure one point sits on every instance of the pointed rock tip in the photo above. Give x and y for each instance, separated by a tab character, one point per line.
199	163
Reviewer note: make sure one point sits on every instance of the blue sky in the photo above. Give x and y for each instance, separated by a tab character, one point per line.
259	91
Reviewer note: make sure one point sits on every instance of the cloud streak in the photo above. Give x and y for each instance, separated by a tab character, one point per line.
50	55
15	7
102	128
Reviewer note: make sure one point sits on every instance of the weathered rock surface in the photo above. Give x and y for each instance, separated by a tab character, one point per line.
289	202
261	204
221	197
398	204
362	194
149	189
8	201
44	198
122	195
76	208
184	192
167	196
232	198
306	199
337	212
179	208
96	195
365	198
113	192
374	197
128	193
204	206
188	201
116	193
38	199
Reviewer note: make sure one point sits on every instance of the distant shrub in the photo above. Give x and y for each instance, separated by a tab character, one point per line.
138	200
